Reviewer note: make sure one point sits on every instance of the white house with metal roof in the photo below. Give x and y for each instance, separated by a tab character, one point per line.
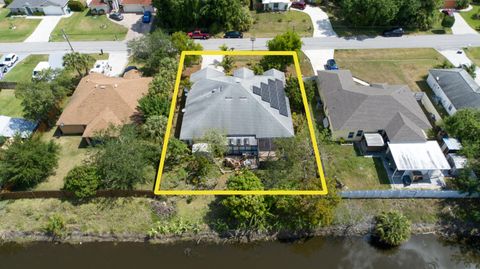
251	109
454	88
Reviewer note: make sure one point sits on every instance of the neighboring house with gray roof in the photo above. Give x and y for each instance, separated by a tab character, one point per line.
382	117
454	88
48	7
353	110
251	109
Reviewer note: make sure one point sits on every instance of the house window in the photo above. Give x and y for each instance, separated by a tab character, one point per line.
450	107
239	142
360	133
230	142
350	135
245	142
275	5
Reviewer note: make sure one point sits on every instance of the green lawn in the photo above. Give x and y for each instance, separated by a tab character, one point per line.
343	28
270	24
363	210
394	66
9	104
470	17
473	54
70	156
23	27
81	26
356	172
23	70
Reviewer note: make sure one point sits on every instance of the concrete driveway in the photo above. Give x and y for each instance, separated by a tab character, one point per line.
321	24
458	57
44	28
461	27
318	58
136	27
118	61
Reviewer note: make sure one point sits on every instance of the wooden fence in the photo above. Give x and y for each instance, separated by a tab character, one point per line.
7	85
66	195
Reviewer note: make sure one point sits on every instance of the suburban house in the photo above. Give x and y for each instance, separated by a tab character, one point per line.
450	3
276	5
100	101
251	109
381	118
128	6
9	127
48	7
454	88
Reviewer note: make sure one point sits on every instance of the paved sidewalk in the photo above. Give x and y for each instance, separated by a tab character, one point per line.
458	59
461	27
44	28
321	24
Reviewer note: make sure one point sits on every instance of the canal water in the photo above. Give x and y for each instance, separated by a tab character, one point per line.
420	252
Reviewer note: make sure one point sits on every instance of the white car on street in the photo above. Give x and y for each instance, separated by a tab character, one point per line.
10	59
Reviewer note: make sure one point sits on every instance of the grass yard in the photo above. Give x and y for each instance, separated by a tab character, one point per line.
23	70
473	53
82	26
356	172
394	66
363	210
70	156
470	16
9	104
23	27
343	28
121	215
270	24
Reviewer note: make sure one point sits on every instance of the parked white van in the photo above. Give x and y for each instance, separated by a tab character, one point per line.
101	67
41	66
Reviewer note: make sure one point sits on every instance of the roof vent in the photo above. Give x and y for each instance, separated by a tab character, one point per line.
116	85
237	80
102	87
437	78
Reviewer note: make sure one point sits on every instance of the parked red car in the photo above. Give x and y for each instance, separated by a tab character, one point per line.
299	5
198	34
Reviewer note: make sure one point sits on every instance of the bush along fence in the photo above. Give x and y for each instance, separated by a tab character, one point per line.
69	195
7	85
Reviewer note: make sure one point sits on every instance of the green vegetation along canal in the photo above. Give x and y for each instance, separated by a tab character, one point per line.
425	251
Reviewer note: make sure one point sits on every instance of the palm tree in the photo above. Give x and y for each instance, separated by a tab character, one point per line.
392	228
79	62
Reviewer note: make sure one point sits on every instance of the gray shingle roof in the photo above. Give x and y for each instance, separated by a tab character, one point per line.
37	3
229	104
458	86
379	107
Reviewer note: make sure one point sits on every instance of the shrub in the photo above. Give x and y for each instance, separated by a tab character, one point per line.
38	13
101	12
461	4
93	12
27	162
75	5
8	2
55	227
2	140
83	181
448	21
392	228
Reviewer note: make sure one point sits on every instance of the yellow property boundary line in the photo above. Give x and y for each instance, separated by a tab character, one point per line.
157	189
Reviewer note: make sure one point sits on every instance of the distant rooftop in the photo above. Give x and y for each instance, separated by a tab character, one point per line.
460	88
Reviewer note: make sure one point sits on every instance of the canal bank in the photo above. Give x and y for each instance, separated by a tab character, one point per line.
423	251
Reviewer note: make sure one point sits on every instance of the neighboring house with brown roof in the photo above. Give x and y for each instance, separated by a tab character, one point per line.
100	101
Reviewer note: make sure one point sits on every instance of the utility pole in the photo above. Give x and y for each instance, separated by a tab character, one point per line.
66	38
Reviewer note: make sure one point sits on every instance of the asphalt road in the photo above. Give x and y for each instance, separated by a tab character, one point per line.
311	43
